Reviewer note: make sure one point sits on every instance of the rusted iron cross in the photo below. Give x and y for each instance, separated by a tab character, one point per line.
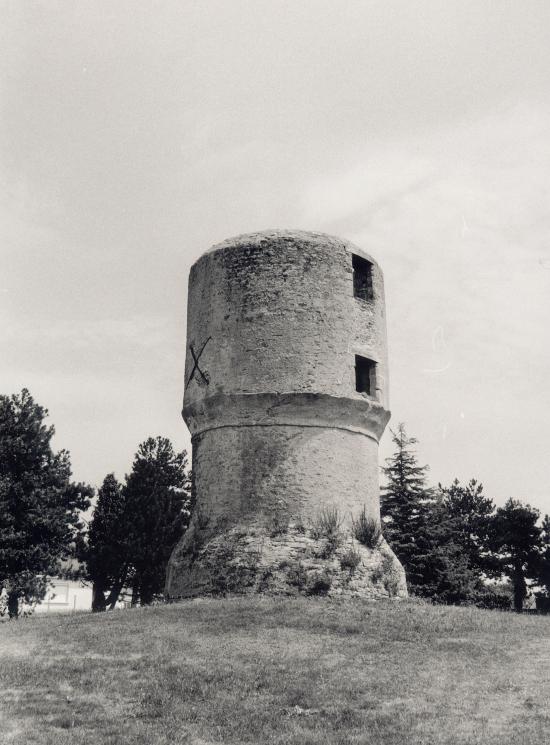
196	358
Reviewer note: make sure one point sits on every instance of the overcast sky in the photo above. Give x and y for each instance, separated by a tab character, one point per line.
136	134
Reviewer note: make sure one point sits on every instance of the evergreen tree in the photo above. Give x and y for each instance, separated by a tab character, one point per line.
439	537
456	524
544	570
39	504
157	501
447	576
104	552
515	540
467	516
406	503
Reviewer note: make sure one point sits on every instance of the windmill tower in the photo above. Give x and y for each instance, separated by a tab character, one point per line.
286	397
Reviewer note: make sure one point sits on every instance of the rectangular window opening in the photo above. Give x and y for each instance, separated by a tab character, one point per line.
365	375
362	278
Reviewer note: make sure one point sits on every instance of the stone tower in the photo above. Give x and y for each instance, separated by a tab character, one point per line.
286	397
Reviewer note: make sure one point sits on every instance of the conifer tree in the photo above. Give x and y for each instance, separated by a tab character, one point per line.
405	505
425	528
104	552
39	504
157	511
544	570
515	540
457	524
467	515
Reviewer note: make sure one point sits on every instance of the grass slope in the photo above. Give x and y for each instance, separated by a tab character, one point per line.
267	670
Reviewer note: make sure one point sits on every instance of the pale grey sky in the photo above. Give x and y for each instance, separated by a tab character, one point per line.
135	134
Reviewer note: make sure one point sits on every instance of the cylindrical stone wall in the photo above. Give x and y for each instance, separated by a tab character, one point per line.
286	469
286	396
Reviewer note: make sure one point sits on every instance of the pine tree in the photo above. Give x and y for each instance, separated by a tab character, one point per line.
436	535
104	552
157	501
39	504
515	540
406	503
467	515
544	567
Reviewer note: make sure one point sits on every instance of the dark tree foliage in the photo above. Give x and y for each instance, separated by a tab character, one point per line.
39	504
104	552
447	576
457	523
467	515
439	537
157	501
406	503
449	542
515	539
544	570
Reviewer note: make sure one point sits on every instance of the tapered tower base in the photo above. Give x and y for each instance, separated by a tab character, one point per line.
281	559
285	523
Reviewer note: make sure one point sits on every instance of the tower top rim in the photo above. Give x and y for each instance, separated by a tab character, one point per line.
264	238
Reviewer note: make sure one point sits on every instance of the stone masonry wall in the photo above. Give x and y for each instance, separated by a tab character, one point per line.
280	314
288	470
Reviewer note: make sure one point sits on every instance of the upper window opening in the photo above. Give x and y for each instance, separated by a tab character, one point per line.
362	278
365	375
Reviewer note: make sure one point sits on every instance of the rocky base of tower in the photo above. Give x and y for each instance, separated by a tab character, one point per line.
281	559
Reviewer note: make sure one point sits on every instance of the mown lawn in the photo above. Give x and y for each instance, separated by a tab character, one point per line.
265	670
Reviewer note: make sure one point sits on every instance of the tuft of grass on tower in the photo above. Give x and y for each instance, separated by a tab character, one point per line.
268	670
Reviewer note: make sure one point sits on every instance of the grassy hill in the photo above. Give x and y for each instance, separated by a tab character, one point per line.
267	670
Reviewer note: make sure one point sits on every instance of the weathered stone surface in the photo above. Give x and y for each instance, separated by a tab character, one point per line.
279	431
281	558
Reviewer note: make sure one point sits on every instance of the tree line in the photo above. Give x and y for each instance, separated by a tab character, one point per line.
455	545
43	530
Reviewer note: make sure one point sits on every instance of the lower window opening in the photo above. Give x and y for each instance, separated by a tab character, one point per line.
365	375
